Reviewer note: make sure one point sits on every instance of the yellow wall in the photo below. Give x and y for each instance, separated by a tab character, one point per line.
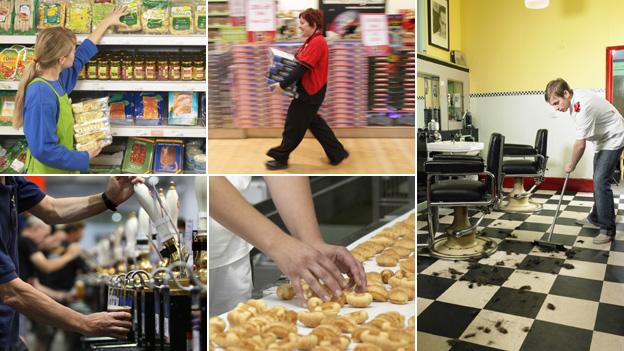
455	31
509	47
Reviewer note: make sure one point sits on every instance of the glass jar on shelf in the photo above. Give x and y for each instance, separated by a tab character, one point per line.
199	68
150	68
163	68
92	68
187	68
103	68
139	67
175	68
115	68
127	67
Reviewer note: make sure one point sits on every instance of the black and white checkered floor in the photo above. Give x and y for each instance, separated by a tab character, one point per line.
521	298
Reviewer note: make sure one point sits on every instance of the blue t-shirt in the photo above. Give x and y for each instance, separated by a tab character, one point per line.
41	113
17	195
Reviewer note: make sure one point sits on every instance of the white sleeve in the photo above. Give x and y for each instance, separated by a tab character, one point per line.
585	123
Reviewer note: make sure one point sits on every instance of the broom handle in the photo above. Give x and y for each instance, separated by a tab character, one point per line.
552	227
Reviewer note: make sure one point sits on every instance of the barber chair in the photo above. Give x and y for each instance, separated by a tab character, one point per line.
521	161
462	240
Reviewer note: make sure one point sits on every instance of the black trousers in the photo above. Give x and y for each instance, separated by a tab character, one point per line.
301	116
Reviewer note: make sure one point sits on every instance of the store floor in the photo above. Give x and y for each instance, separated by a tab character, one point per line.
367	155
532	300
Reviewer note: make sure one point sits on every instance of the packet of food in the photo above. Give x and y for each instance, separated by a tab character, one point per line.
101	9
181	18
200	16
133	18
155	16
139	155
168	155
24	19
79	16
7	12
8	63
51	13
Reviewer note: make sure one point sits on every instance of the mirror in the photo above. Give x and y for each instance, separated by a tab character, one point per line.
615	77
455	98
431	93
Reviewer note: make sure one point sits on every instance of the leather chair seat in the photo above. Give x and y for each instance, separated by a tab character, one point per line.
519	150
458	191
511	167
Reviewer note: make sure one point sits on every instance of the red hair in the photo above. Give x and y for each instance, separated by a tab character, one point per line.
313	17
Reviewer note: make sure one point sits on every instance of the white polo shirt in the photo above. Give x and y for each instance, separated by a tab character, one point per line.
225	246
596	120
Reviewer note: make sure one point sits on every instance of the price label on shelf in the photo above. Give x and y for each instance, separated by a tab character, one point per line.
157	132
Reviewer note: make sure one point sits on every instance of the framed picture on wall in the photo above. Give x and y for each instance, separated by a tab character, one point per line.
439	23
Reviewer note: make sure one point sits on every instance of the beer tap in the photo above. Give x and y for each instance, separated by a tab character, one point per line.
157	211
197	291
142	241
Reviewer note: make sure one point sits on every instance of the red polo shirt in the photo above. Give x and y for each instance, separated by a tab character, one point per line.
314	55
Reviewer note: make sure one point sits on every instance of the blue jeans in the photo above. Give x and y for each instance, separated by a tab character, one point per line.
603	213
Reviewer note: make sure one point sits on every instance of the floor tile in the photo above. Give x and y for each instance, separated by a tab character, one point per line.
431	287
579	288
505	224
496	233
422	304
582	203
617	245
422	262
527	235
441	268
546	192
502	259
587	243
610	319
540	219
517	302
538	281
588	255
614	274
587	270
572	214
541	264
515	216
426	341
589	232
545	336
564	239
487	275
566	229
537	227
612	293
469	294
616	258
515	246
603	341
515	327
579	209
445	319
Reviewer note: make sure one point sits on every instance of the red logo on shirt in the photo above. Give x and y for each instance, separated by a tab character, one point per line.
577	106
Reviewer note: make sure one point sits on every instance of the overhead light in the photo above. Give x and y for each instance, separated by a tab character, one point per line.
536	4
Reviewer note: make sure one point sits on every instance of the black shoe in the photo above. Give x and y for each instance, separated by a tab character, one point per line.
274	165
336	163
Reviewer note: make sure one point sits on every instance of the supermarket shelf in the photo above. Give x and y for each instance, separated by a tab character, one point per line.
122	85
218	14
123	39
160	131
140	131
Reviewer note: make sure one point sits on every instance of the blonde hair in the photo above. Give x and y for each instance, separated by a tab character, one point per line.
556	87
51	45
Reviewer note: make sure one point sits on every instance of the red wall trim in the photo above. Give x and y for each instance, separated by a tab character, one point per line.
574	184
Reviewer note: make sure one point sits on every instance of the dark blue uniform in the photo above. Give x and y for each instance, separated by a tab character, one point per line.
17	195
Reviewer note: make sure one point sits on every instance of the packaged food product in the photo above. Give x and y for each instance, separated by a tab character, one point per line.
90	105
24	21
194	157
79	16
183	108
51	13
7	106
24	58
91	124
8	63
133	18
14	160
149	108
138	156
202	109
121	106
181	18
155	16
168	156
6	16
101	9
200	16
